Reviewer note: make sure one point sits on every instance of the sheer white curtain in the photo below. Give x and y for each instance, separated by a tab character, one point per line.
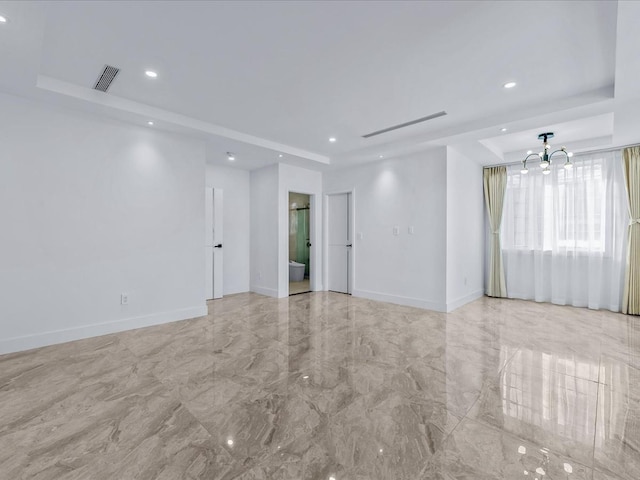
564	234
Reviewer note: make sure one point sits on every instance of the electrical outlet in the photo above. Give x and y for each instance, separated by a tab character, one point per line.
396	230
360	235
124	299
411	230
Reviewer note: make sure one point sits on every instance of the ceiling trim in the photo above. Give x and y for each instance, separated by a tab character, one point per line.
61	87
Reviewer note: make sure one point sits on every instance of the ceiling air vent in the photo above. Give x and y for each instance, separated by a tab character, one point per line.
406	124
106	78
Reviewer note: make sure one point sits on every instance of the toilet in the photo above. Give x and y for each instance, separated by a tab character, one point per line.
296	271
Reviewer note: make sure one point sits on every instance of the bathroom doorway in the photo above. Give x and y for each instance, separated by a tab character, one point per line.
299	243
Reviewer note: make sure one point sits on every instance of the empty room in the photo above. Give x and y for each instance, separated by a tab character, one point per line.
319	240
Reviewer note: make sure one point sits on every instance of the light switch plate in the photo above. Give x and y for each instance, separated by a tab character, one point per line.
396	230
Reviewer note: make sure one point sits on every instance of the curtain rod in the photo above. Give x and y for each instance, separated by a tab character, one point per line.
600	150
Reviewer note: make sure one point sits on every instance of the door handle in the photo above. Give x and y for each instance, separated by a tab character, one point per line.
218	246
350	245
308	244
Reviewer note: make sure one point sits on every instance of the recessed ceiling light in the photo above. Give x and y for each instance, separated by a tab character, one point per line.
332	139
509	84
380	156
280	155
151	74
503	129
3	19
150	123
230	156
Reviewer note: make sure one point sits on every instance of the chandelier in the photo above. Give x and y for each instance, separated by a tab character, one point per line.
545	156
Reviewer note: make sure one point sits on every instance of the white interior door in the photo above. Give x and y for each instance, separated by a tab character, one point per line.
213	243
340	243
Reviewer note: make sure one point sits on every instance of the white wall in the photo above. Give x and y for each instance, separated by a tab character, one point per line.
301	180
264	233
411	191
89	209
465	230
236	186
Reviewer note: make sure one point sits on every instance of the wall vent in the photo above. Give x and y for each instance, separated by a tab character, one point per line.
406	124
106	78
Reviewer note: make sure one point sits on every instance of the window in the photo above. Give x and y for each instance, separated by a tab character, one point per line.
559	211
564	234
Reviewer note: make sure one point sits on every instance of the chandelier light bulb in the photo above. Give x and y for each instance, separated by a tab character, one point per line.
568	165
529	152
541	154
524	171
570	154
544	164
546	171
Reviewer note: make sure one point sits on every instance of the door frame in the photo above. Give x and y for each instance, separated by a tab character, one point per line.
314	238
325	240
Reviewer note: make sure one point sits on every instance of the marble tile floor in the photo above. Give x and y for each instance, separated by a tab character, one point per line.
326	386
299	287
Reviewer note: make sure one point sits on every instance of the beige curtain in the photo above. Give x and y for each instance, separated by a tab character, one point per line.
495	186
631	295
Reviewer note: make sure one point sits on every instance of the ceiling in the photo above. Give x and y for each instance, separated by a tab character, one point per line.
269	78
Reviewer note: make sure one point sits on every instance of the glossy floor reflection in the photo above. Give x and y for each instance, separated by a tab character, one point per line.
323	386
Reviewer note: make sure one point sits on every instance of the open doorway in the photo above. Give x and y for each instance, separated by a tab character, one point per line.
299	243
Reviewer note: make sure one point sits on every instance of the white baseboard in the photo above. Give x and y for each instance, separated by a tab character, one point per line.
235	291
269	292
27	342
408	301
451	306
